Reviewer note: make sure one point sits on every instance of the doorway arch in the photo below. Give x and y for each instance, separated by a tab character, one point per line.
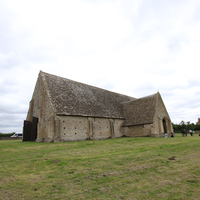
164	125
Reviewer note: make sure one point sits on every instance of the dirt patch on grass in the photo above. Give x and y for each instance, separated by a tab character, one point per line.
56	161
172	158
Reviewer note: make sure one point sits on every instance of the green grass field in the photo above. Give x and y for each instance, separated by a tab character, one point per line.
125	168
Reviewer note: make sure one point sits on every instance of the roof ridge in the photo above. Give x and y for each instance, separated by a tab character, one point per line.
70	97
151	95
85	84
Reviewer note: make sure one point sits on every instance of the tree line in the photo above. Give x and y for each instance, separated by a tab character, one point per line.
6	134
186	125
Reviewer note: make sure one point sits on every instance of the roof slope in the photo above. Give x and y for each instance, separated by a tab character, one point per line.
140	111
74	98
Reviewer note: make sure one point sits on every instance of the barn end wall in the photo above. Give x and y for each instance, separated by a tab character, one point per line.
74	128
160	115
40	107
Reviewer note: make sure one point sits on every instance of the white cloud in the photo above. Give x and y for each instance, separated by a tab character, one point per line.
131	47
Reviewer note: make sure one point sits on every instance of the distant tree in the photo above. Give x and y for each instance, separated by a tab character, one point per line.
176	127
182	125
197	127
6	134
192	126
187	126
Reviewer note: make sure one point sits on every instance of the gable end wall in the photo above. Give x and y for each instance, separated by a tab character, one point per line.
40	107
161	113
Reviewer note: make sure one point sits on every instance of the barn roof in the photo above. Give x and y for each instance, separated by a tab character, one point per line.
140	111
73	98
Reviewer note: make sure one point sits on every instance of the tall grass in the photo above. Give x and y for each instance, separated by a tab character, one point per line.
125	168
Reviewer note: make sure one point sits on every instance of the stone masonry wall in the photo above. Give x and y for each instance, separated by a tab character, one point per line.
73	128
40	107
161	113
133	131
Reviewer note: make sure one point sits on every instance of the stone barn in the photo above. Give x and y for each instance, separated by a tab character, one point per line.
63	110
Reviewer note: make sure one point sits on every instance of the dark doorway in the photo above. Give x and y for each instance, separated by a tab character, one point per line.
27	131
34	129
30	130
164	126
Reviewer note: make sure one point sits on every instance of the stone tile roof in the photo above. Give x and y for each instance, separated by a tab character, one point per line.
74	98
140	111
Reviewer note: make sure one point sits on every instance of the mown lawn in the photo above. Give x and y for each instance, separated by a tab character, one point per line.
125	168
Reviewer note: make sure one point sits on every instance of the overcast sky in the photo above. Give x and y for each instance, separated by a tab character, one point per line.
133	47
